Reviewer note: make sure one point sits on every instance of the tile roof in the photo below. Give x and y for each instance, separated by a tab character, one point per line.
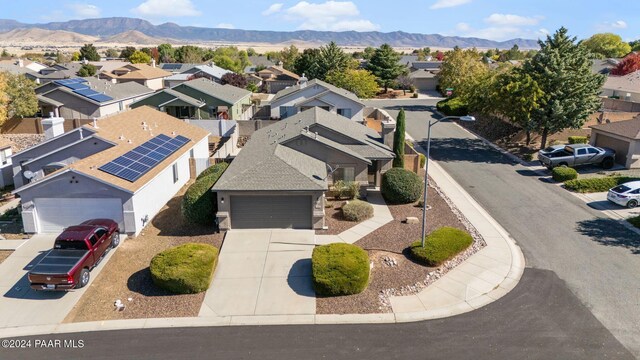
628	83
128	124
290	90
227	93
628	128
266	163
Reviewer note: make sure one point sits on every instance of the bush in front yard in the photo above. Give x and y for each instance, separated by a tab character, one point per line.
357	210
578	139
591	185
401	186
339	269
452	107
198	206
185	269
563	173
635	221
346	189
441	245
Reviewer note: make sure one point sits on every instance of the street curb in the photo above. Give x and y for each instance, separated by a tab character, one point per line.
610	214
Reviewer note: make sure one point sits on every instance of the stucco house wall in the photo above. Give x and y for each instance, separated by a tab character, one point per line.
337	101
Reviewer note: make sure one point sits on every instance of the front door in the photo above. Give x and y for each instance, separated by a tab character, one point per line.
373	173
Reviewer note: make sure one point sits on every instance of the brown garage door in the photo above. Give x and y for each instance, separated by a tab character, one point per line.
620	146
271	212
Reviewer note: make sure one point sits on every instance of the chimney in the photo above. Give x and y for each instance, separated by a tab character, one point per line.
153	62
52	127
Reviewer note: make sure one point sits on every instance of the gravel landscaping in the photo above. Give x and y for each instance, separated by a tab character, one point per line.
334	220
393	272
4	254
127	276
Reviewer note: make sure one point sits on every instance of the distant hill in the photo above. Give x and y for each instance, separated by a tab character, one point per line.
108	27
40	35
133	37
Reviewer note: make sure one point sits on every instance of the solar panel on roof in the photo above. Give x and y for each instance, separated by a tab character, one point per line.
100	97
86	92
144	157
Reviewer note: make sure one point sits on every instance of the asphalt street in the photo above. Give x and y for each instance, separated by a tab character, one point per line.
539	319
598	258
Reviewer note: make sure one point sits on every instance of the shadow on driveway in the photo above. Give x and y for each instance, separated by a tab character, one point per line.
464	149
608	232
22	290
299	278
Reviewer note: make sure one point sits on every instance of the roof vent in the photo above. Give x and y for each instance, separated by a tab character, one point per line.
121	137
173	133
316	135
129	141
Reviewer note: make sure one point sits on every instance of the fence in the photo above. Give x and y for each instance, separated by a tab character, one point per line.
620	105
411	159
248	127
34	126
222	128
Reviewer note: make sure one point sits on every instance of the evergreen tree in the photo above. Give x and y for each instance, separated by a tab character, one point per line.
562	70
166	53
87	70
307	64
89	52
332	57
384	65
127	52
398	140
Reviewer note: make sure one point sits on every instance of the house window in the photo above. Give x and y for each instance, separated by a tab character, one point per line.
286	111
344	174
175	173
345	112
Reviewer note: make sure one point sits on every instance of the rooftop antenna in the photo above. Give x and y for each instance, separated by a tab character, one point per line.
331	170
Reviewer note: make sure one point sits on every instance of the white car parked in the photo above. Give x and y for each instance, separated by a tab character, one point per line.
627	194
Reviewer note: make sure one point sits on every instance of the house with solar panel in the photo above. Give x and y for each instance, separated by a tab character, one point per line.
124	167
87	98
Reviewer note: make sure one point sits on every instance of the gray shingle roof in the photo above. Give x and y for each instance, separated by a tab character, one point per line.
117	92
290	90
629	128
227	93
186	98
266	163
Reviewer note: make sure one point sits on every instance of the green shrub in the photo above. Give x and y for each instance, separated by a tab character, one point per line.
440	246
423	160
401	186
591	185
578	139
357	210
339	269
527	157
415	95
346	189
563	173
453	107
219	167
198	206
185	269
635	221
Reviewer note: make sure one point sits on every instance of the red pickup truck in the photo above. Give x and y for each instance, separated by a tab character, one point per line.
75	252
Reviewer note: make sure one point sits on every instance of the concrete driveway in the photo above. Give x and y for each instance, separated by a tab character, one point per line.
263	272
22	306
599	201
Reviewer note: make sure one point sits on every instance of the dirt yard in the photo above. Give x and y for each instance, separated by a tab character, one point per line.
4	254
386	245
334	220
126	276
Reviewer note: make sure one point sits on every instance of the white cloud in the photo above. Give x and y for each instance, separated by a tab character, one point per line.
464	27
612	26
167	8
441	4
327	16
542	33
512	20
84	10
273	9
225	26
620	24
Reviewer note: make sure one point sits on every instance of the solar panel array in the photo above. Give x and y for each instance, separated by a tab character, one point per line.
171	66
81	87
137	162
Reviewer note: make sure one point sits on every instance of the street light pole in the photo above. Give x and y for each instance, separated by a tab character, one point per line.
426	170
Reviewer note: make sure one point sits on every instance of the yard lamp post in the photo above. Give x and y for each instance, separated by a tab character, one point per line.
426	170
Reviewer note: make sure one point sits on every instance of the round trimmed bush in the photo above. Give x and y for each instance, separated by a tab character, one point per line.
563	173
401	186
357	210
185	269
339	269
441	245
198	206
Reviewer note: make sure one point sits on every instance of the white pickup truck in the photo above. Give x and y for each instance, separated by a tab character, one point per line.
577	154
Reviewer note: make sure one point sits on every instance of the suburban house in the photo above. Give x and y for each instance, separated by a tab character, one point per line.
604	66
87	98
625	87
202	99
623	137
258	61
125	167
177	68
425	65
275	78
22	67
279	178
143	74
316	93
6	168
425	80
210	72
55	72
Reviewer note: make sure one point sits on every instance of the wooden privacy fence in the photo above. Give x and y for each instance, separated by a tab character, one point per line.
34	126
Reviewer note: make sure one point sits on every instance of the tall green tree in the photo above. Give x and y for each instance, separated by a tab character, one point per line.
607	45
127	52
398	140
166	53
89	52
461	70
359	81
307	64
111	53
288	56
87	70
189	54
332	57
562	70
17	96
140	57
384	65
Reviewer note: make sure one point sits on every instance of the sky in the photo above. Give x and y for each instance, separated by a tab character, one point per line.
489	19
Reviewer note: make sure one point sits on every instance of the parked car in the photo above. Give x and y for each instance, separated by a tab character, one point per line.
627	194
75	253
577	154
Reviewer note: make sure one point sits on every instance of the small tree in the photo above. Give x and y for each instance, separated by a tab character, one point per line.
166	53
17	96
628	65
127	52
234	79
359	81
89	52
111	53
405	82
140	57
461	70
75	56
398	140
87	70
384	65
5	53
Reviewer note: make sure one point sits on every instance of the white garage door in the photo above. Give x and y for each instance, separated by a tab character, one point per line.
57	214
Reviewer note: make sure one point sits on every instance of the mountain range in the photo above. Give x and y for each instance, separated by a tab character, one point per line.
105	28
